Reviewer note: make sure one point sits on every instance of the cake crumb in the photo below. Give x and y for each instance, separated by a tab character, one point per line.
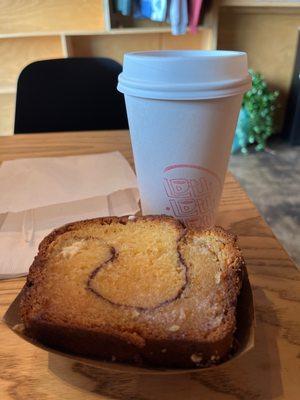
218	277
182	314
131	217
174	328
135	313
214	358
196	358
113	358
164	350
19	328
74	248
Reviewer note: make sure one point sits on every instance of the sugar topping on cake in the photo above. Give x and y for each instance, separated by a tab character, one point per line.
174	328
74	248
196	358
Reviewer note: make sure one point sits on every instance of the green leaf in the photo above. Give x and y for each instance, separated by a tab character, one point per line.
260	104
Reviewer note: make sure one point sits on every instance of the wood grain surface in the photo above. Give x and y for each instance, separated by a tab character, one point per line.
269	371
7	111
50	15
114	46
268	38
260	3
16	53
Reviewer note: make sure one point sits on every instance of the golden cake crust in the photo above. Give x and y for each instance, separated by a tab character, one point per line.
193	327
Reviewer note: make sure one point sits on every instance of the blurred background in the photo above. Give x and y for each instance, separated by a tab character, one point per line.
266	156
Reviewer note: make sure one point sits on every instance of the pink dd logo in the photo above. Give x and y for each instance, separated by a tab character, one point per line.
192	194
177	187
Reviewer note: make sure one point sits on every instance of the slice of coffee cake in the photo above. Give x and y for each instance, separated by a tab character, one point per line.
138	290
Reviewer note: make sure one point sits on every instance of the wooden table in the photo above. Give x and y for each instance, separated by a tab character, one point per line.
270	371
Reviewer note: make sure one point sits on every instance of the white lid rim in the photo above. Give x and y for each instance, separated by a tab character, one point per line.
188	54
216	85
184	91
184	74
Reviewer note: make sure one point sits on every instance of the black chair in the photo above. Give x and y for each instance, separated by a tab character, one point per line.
73	94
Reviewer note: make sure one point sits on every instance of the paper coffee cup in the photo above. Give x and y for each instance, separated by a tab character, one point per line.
182	109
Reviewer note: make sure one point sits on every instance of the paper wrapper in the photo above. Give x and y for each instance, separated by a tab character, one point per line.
244	336
39	182
41	194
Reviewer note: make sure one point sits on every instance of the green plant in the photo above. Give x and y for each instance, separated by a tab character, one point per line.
260	104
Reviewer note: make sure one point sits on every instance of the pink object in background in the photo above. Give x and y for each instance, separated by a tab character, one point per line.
194	14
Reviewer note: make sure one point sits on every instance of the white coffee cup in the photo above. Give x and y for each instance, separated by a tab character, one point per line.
182	109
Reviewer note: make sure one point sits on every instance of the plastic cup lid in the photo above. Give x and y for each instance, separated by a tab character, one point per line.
184	74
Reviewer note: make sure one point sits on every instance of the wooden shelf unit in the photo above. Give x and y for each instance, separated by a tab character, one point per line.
17	16
259	3
45	29
268	32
